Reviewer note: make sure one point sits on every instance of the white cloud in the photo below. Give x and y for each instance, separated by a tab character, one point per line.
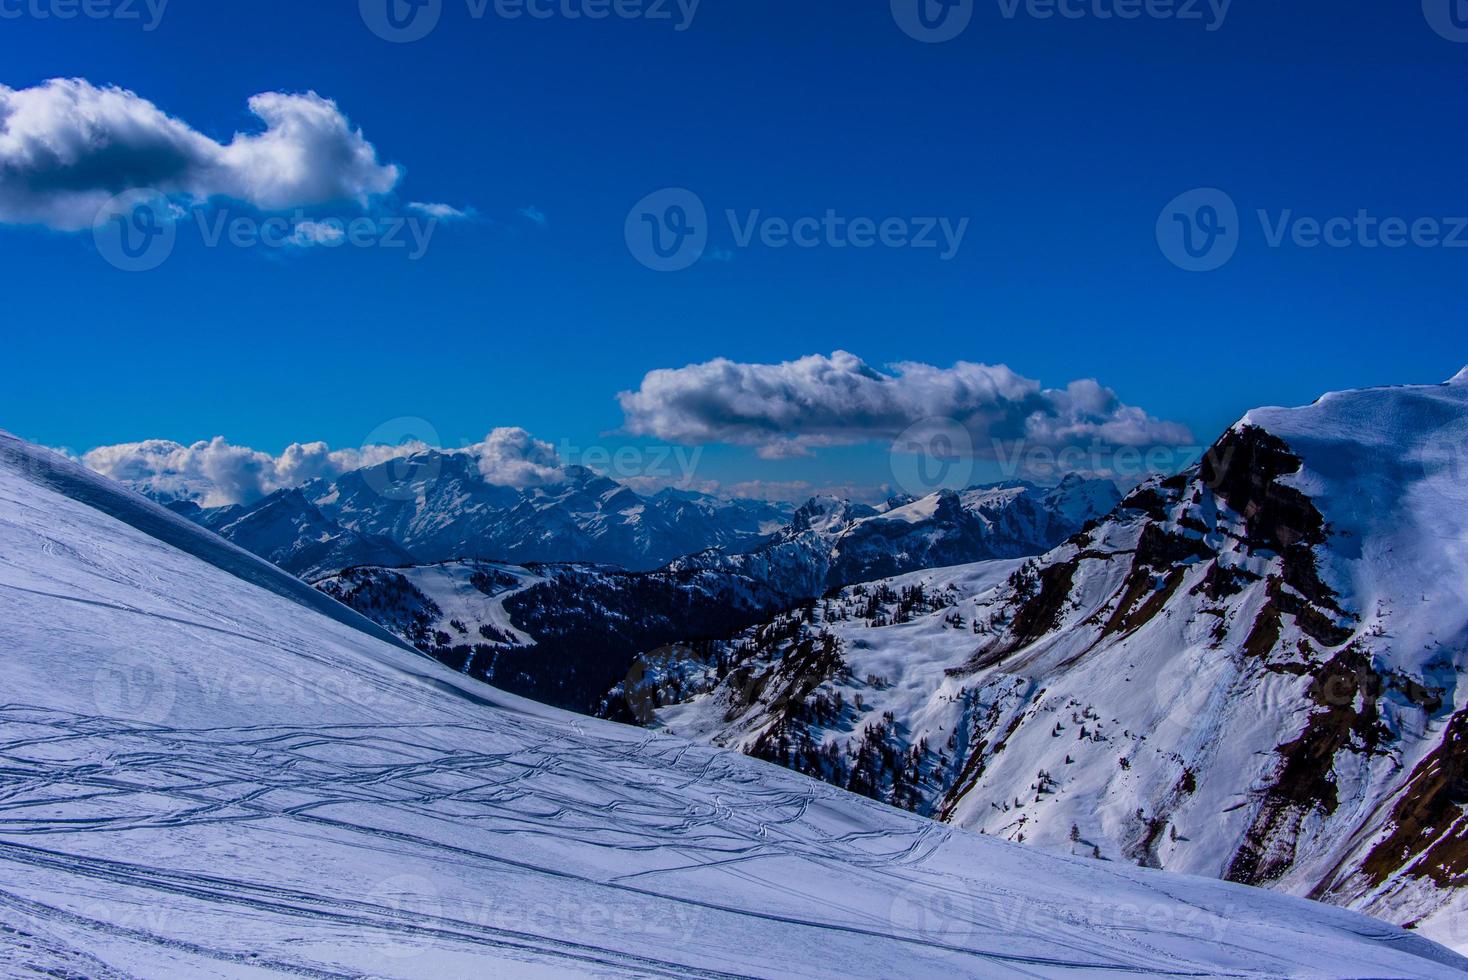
533	213
214	473
67	147
442	212
309	233
786	410
514	458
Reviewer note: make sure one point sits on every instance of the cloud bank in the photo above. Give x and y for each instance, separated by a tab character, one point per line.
67	147
788	409
216	473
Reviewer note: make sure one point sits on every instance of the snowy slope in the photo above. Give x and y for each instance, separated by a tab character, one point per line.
439	605
1251	671
206	776
888	664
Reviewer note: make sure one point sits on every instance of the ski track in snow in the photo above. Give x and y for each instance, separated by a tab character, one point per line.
204	776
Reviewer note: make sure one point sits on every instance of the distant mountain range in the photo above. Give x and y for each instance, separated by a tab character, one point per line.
436	506
566	632
829	542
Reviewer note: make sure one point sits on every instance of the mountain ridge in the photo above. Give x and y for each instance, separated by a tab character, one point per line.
579	626
1241	672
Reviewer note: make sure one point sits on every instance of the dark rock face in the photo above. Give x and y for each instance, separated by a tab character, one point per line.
589	625
1243	468
1040	614
1347	721
1428	820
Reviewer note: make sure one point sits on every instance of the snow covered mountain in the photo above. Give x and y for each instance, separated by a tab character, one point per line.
830	542
437	506
288	530
566	633
1251	671
561	634
211	770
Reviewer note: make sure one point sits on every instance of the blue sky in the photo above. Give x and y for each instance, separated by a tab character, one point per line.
1059	140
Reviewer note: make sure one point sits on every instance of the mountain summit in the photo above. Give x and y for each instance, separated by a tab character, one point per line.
1252	670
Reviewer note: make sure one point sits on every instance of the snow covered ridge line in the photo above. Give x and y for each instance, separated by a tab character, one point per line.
47	468
360	836
1251	670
